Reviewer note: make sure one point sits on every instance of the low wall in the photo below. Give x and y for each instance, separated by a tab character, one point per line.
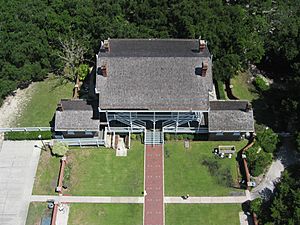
247	173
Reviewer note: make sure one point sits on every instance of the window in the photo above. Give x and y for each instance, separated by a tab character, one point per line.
70	132
88	132
219	134
236	134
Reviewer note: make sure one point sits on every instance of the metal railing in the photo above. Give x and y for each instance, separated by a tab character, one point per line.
20	129
82	141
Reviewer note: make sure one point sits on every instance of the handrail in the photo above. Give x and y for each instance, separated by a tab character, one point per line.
82	141
20	129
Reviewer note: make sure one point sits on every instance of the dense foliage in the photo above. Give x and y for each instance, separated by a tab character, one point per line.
258	160
284	206
59	149
261	84
28	135
33	32
267	139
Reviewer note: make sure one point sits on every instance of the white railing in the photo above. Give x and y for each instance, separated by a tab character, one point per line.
19	129
82	141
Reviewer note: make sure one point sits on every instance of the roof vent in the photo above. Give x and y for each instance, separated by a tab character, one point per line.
204	68
104	70
106	45
202	45
60	107
248	107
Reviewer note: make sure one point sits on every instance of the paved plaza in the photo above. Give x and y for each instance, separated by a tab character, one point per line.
18	164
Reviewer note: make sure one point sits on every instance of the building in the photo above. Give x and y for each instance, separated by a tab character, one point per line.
155	86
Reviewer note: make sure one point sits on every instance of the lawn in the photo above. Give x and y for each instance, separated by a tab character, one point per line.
185	173
206	214
243	87
36	212
98	171
47	174
106	214
40	109
221	90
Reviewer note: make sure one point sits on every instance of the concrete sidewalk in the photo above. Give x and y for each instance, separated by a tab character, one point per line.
206	200
87	199
18	164
137	200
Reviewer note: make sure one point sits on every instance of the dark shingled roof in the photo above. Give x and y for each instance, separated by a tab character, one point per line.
77	115
230	116
228	105
154	48
154	75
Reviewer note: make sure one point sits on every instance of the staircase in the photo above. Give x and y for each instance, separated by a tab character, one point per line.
153	137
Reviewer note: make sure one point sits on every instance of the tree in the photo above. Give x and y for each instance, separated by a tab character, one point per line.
255	205
72	55
268	139
83	71
283	207
258	160
59	149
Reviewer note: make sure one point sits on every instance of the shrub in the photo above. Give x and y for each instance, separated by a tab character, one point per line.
167	137
179	137
133	136
258	160
27	135
255	205
261	84
82	71
268	140
59	149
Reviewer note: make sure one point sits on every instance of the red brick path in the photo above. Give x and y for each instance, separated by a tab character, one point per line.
154	206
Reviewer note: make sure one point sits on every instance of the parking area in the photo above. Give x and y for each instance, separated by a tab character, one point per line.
18	163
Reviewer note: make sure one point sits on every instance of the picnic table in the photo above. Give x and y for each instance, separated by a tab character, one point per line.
223	150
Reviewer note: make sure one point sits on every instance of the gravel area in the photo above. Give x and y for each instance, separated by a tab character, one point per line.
13	106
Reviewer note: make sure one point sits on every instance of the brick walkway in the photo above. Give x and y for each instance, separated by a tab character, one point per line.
154	204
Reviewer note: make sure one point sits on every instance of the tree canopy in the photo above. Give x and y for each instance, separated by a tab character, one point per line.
31	32
238	33
284	206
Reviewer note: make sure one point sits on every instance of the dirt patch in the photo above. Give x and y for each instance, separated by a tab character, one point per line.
13	105
71	160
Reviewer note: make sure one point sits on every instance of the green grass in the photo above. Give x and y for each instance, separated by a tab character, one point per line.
40	110
35	213
47	174
221	90
206	214
106	214
184	172
100	172
243	87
